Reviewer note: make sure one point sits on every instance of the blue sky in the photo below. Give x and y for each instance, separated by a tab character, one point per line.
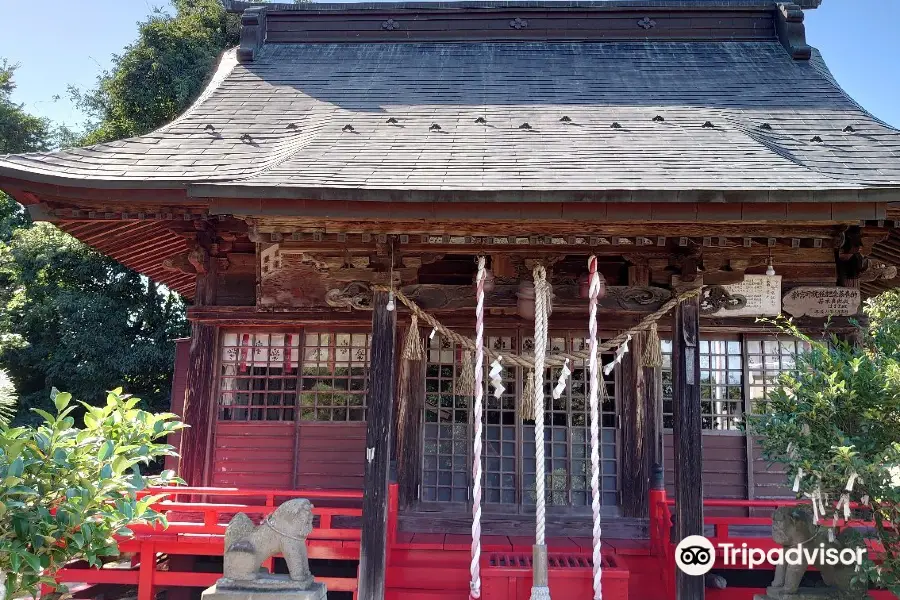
75	40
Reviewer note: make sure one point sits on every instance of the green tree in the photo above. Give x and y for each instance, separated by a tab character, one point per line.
835	424
68	490
19	131
69	315
157	77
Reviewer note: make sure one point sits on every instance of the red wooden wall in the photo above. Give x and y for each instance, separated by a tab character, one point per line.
268	454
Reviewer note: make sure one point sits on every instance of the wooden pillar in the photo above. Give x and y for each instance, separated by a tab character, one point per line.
200	387
687	437
379	425
638	419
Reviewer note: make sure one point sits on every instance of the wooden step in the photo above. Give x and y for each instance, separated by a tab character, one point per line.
427	577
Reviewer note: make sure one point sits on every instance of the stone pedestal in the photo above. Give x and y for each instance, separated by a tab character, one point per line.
272	587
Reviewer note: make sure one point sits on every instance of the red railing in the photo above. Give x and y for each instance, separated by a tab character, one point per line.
663	547
198	528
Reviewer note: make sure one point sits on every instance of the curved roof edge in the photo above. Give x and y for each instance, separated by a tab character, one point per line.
16	166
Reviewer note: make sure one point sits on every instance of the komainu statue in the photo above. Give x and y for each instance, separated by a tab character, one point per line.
805	544
248	546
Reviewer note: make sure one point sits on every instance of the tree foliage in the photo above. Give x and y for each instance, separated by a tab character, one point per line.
67	490
835	424
19	131
72	317
157	77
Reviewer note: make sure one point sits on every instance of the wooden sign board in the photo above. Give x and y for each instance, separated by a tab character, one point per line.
763	295
822	301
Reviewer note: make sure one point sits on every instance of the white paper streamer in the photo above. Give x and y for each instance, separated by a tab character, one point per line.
797	480
620	352
496	378
815	506
865	500
845	499
433	331
851	481
561	383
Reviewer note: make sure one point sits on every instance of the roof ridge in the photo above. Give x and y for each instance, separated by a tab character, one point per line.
239	6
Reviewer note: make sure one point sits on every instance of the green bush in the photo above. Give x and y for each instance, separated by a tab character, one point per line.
65	491
839	414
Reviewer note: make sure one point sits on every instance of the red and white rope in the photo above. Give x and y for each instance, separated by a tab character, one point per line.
594	292
541	314
475	568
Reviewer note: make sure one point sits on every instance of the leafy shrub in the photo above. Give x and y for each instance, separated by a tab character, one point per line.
65	491
838	415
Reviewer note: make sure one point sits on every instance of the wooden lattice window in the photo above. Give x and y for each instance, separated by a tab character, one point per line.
767	359
258	376
721	384
733	373
509	449
335	376
567	435
262	378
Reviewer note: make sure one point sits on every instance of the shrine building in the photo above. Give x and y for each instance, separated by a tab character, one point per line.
350	166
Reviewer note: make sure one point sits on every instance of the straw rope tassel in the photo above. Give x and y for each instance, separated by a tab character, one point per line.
475	568
652	351
594	372
412	347
526	407
540	589
465	383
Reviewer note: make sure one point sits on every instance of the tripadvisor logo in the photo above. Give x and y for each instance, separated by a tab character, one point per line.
696	555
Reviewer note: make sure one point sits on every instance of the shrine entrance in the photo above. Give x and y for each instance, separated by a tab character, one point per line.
509	447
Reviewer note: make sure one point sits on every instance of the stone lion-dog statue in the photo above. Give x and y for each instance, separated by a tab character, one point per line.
283	532
793	527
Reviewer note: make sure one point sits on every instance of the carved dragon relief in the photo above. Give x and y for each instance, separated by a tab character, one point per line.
715	298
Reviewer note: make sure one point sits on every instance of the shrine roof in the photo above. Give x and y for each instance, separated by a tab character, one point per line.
655	113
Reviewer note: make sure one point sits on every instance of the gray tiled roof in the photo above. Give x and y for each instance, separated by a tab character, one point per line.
295	100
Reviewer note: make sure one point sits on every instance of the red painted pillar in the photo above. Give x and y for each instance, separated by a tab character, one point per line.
146	571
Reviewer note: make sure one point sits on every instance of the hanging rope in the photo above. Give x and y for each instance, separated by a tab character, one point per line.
465	383
412	352
412	346
478	368
539	589
526	406
652	351
557	359
594	372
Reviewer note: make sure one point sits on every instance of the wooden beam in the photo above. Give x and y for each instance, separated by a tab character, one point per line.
687	437
379	425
